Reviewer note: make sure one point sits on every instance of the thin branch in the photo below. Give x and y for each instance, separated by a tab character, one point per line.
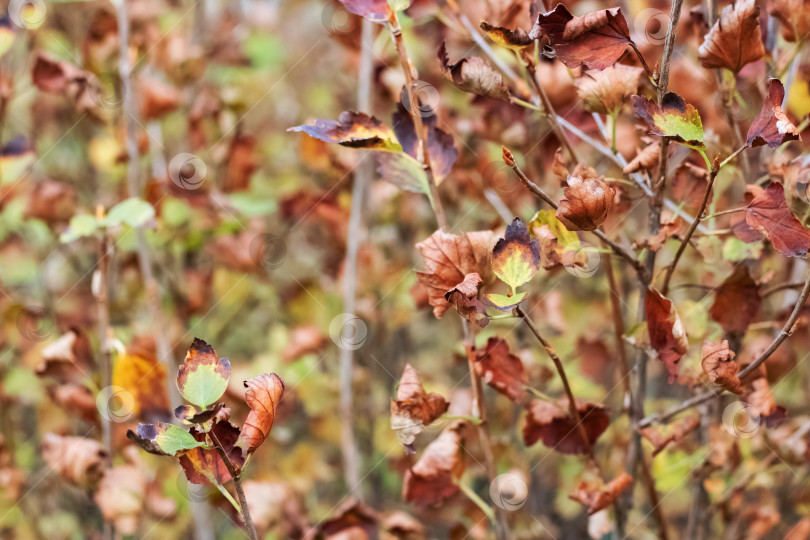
552	115
786	332
688	236
643	62
103	311
237	486
542	195
413	101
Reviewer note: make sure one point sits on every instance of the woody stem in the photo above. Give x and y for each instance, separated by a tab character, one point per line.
237	486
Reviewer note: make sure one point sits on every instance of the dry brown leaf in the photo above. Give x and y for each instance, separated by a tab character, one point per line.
547	422
608	90
501	369
586	203
735	39
717	361
414	408
736	301
474	75
666	332
77	460
599	498
645	159
262	394
464	296
434	477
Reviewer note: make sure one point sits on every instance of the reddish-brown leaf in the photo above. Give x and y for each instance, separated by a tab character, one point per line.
667	335
448	260
513	39
77	460
474	75
735	39
547	422
262	395
597	39
596	359
772	126
645	159
608	90
501	369
205	466
736	301
434	477
586	203
689	185
672	433
442	152
794	16
717	361
414	408
596	498
465	297
770	215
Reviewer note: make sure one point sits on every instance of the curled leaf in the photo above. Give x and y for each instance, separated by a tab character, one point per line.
441	150
666	332
585	204
354	130
717	361
434	477
203	377
516	256
512	39
735	39
465	297
414	408
673	119
772	126
547	422
77	460
474	75
599	498
770	215
501	369
448	260
597	39
262	395
645	159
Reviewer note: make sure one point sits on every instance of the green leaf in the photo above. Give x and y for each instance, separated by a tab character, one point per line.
516	256
503	302
674	119
80	226
404	172
399	5
163	439
203	377
549	217
249	205
134	212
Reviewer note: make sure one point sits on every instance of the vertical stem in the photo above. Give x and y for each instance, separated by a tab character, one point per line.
484	437
362	176
552	116
414	110
237	486
103	313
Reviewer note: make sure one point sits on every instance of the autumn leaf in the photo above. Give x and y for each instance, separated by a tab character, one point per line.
434	477
666	332
673	119
794	16
516	256
645	159
163	439
735	39
203	378
585	204
204	465
262	395
448	260
501	369
352	520
512	39
795	177
598	498
669	434
554	238
121	496
770	215
772	126
464	296
189	414
689	185
77	460
608	90
474	75
442	152
736	301
414	408
717	361
596	360
354	130
548	422
139	372
597	39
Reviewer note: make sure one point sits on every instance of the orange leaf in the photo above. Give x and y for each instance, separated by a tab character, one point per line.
262	396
